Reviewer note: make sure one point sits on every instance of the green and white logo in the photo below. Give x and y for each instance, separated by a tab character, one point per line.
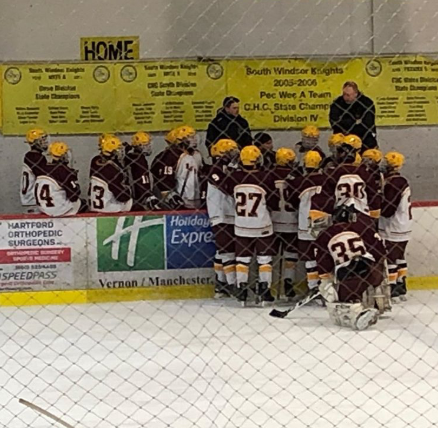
130	243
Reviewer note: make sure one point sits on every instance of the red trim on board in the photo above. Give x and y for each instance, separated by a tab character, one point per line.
423	204
416	204
128	213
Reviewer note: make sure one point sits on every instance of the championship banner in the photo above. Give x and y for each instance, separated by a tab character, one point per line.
62	98
158	96
404	90
285	94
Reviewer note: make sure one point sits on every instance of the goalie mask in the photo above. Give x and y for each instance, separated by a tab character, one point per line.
37	138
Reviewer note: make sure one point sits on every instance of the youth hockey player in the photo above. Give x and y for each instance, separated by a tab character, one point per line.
349	260
254	195
33	164
177	170
352	184
220	208
308	196
395	222
285	218
309	141
330	162
138	168
109	189
57	190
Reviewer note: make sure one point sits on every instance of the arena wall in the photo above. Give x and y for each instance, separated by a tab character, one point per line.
95	258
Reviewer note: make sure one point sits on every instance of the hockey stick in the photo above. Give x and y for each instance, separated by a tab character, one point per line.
45	413
282	314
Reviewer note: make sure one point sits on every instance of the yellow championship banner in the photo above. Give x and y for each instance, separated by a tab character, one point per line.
284	94
404	89
62	98
157	96
110	48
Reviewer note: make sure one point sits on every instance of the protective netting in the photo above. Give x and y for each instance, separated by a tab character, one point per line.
231	224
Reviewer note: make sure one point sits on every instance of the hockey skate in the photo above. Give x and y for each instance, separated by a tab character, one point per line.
264	296
366	318
221	290
289	291
401	286
242	293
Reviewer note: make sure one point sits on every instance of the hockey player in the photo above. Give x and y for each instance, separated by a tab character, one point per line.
264	142
57	190
395	222
308	197
349	260
220	208
33	165
353	184
177	170
372	159
254	196
285	218
109	190
309	141
138	168
330	162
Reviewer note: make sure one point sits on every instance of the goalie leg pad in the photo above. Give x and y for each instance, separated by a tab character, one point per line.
352	315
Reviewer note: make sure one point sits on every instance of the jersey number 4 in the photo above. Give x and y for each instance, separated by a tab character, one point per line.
42	194
242	201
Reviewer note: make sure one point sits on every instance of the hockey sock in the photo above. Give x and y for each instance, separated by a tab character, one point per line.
229	263
312	274
219	269
290	261
242	269
265	269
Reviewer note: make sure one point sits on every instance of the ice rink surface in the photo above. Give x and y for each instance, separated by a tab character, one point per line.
213	364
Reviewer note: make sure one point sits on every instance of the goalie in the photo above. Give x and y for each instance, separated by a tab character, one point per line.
350	258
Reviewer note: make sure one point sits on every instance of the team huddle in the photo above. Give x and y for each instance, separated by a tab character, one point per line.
346	216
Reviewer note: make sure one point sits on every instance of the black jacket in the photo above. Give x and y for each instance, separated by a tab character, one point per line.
343	118
224	125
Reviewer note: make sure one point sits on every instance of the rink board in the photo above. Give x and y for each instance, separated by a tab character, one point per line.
142	256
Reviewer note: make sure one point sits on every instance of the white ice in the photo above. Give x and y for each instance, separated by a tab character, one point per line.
205	364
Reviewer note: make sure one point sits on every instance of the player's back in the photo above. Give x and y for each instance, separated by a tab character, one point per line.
187	178
284	215
138	167
33	165
254	195
353	185
220	206
340	243
164	167
57	190
108	189
308	194
395	223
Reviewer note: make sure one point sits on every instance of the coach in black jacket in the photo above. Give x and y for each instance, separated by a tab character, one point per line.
354	113
229	124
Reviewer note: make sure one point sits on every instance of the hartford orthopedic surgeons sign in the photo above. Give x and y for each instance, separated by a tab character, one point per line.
135	251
